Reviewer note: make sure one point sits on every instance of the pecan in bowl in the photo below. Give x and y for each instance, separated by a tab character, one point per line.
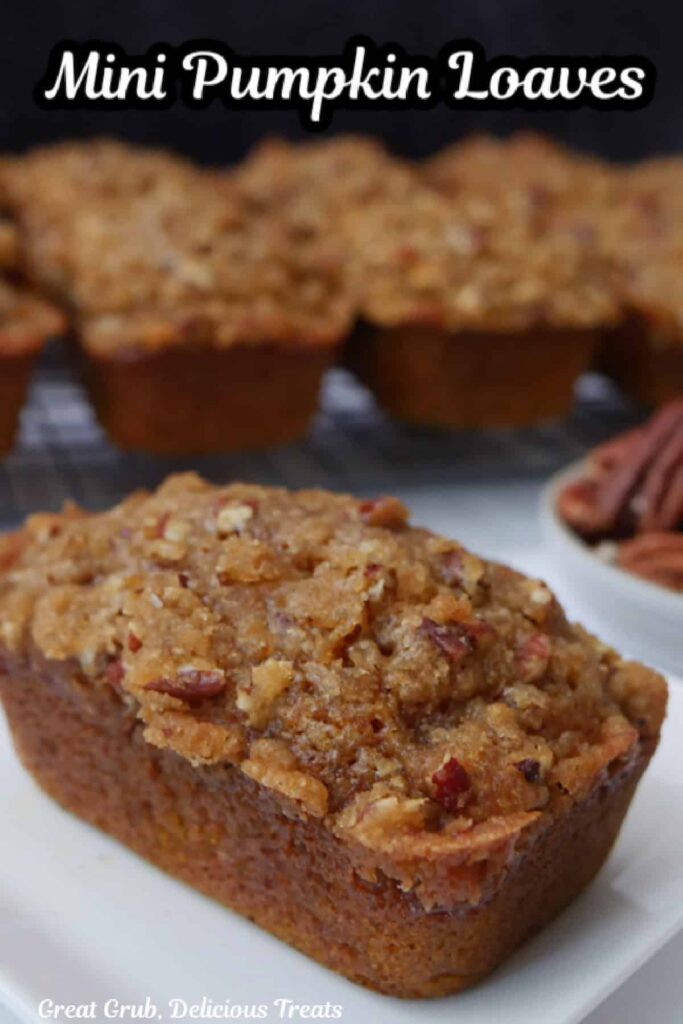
629	500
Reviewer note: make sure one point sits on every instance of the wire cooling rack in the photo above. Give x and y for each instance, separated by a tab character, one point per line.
61	453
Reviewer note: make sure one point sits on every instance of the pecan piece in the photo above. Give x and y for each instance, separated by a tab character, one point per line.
191	685
451	785
456	639
388	512
114	673
452	568
532	656
134	643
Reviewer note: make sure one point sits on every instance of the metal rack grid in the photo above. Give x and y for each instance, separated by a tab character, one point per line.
61	452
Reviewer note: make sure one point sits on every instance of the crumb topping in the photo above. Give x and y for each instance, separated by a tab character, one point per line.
367	672
339	172
641	231
498	234
149	251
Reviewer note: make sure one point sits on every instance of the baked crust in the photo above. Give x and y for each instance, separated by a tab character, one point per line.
198	398
26	323
472	378
210	826
401	725
640	231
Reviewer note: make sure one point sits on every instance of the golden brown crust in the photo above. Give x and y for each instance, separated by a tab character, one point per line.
198	398
209	826
472	378
427	707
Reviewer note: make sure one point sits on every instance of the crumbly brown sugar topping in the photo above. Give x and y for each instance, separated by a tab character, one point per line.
344	171
641	229
473	262
374	674
149	251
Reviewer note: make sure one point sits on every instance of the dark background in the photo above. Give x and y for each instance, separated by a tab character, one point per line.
523	27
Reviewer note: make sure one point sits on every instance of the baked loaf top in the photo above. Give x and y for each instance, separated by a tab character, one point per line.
426	705
502	235
343	171
642	231
151	252
468	263
507	241
528	168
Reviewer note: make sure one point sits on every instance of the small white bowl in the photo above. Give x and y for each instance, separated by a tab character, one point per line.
640	618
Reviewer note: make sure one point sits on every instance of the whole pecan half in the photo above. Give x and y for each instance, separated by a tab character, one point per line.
633	484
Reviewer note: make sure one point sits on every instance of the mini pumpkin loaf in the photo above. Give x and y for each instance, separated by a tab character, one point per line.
642	234
202	326
480	307
26	323
398	758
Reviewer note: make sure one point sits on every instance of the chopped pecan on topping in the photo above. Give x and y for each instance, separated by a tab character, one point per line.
530	769
191	685
114	673
156	527
452	568
458	568
532	656
388	512
134	643
456	639
451	785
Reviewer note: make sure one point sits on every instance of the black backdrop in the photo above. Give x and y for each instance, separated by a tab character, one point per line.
648	27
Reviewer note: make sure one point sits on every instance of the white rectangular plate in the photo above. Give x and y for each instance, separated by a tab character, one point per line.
83	920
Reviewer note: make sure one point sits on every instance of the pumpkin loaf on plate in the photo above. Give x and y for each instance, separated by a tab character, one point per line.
201	325
396	757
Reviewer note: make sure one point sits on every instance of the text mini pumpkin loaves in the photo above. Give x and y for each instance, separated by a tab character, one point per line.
397	757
